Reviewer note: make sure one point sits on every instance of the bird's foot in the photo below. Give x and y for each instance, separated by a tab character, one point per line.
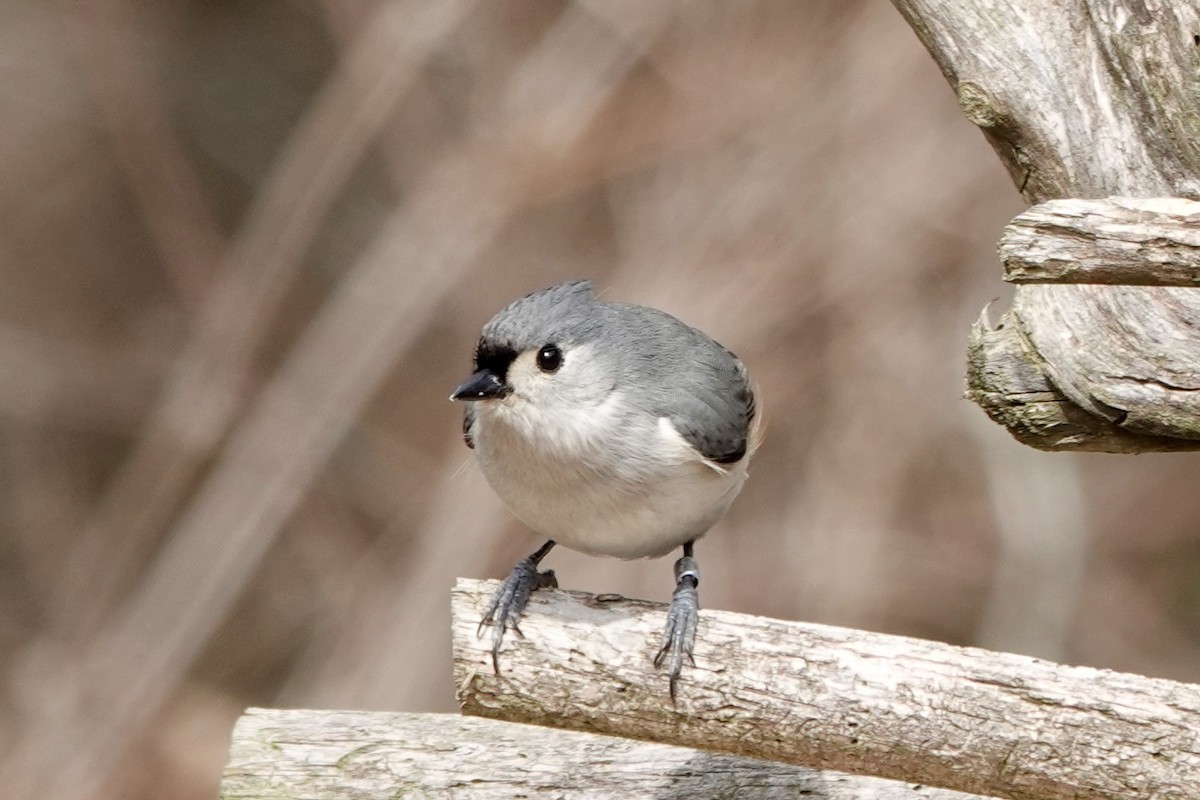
509	601
682	617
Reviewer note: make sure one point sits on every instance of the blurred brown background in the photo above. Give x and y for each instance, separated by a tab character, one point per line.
246	250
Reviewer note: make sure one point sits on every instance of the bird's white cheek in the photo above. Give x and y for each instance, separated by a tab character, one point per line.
566	414
559	430
524	376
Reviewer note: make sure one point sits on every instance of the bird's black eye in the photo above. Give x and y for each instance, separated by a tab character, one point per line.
549	358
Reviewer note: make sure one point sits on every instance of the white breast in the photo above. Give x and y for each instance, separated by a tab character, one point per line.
601	482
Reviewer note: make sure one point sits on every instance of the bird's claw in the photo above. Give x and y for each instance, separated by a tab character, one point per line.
683	615
509	601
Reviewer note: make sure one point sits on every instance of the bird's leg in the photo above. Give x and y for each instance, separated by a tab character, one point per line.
510	599
682	616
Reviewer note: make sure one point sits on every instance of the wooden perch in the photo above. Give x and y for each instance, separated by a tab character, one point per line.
852	701
356	755
1121	240
1083	98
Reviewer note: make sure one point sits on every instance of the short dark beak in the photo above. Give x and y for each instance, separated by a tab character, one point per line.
483	385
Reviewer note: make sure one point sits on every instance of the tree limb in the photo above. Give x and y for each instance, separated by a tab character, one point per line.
1086	98
865	703
352	755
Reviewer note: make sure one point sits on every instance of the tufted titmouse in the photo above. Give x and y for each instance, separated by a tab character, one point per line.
612	429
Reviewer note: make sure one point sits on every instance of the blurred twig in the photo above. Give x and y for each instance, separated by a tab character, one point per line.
182	224
1038	504
72	383
207	385
335	367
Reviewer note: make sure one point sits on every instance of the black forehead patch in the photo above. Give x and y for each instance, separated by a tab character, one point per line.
495	358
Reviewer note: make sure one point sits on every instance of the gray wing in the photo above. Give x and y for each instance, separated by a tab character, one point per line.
715	413
701	387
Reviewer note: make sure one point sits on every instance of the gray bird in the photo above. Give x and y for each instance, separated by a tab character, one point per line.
612	429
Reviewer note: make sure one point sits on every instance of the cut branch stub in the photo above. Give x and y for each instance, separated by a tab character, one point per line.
1121	240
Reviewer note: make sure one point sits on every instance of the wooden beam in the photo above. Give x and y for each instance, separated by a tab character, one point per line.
354	755
830	698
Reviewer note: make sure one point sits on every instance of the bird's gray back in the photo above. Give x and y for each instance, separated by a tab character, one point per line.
684	375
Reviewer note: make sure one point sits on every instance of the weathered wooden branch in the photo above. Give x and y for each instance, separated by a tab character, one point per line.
1121	240
1083	98
804	695
857	702
355	755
